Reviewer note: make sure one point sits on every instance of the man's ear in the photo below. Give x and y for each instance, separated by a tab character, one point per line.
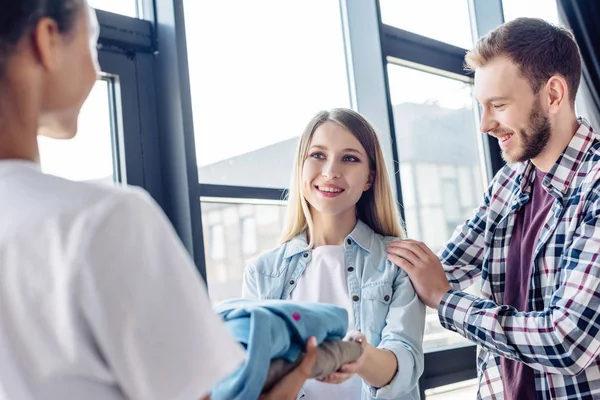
46	42
557	92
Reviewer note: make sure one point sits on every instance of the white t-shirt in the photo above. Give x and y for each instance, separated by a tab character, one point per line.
324	281
98	298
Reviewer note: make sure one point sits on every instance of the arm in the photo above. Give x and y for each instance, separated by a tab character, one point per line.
395	365
562	339
249	285
379	367
145	307
401	337
249	289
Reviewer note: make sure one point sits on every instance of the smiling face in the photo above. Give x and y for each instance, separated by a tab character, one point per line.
511	111
336	171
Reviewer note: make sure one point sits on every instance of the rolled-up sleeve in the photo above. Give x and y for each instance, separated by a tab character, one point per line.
403	336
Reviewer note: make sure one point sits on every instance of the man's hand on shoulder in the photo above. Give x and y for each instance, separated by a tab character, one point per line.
423	268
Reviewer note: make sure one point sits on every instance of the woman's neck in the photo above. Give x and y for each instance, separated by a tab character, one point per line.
19	116
332	229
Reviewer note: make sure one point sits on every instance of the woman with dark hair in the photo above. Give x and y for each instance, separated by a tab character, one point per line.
98	297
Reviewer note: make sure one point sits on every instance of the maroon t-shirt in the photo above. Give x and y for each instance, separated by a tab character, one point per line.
518	378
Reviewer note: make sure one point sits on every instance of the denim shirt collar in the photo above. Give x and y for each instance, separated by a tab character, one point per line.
362	235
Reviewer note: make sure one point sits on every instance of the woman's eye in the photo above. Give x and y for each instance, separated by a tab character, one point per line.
498	105
351	159
318	156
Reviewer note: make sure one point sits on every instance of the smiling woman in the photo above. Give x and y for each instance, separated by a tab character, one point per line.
341	215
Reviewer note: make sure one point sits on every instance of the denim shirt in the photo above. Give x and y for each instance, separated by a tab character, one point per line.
385	306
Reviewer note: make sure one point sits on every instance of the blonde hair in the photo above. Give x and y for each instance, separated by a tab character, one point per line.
376	207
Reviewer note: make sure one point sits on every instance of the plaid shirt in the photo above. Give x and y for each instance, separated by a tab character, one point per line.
559	335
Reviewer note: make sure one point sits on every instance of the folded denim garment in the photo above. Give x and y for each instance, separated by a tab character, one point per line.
272	330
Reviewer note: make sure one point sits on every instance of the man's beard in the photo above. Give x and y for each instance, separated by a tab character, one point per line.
533	140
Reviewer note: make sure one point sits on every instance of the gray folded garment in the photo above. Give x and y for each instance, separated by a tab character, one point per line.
331	355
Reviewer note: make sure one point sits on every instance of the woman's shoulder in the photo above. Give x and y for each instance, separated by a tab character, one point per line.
268	262
382	241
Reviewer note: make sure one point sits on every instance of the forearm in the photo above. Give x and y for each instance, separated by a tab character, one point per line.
553	340
379	367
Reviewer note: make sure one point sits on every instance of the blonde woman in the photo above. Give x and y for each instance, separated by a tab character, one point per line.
341	216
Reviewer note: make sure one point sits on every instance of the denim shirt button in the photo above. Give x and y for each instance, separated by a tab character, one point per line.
387	298
355	298
305	255
348	241
292	282
350	269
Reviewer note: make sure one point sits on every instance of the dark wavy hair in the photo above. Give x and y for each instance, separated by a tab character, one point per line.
19	17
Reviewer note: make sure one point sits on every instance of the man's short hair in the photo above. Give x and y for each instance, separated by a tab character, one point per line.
538	48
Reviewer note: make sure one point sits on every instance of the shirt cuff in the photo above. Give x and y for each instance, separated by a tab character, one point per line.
401	383
454	310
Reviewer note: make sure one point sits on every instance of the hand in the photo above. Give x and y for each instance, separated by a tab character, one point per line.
423	268
348	370
289	386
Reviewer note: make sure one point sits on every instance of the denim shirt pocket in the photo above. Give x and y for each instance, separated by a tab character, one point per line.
376	303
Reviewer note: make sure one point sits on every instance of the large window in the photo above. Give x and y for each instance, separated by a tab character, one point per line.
444	20
437	142
439	158
234	233
130	8
259	70
91	154
544	9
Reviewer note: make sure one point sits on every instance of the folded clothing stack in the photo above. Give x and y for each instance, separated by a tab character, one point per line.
274	333
331	355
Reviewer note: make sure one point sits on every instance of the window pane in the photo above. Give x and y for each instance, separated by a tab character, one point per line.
545	9
449	23
456	391
440	171
89	155
259	70
124	7
233	234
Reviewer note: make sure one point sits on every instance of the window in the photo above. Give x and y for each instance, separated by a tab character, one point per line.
545	9
434	124
455	391
249	236
131	8
274	65
449	23
89	155
237	232
216	239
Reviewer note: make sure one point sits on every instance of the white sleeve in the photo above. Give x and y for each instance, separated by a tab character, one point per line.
147	307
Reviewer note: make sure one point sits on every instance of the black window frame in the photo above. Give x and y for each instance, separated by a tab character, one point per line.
158	125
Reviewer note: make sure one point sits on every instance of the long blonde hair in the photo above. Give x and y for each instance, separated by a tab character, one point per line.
376	207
